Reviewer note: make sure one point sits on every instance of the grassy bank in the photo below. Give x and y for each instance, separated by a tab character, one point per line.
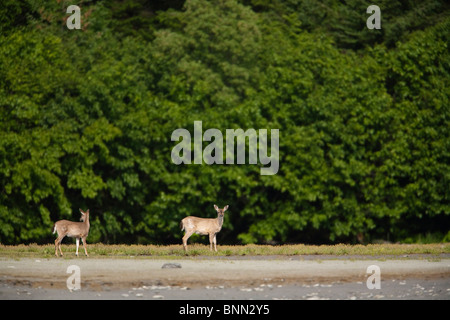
121	250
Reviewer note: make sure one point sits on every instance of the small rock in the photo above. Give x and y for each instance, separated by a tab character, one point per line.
157	296
171	266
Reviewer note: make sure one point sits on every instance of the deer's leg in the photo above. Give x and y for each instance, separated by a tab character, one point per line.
78	244
211	241
215	242
84	245
185	239
58	245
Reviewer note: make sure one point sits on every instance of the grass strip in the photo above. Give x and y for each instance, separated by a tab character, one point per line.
122	250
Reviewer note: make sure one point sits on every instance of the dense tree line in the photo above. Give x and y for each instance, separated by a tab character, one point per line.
86	118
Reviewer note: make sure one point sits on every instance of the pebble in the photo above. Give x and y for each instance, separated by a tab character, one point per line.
171	266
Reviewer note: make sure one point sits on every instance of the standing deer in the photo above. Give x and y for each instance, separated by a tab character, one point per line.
72	229
203	226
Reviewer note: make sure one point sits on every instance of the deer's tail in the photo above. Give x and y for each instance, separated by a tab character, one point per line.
54	228
181	225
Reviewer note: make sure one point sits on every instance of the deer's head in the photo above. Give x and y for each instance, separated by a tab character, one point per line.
220	212
84	215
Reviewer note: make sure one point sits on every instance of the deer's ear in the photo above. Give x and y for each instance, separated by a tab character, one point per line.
225	208
216	207
87	211
81	211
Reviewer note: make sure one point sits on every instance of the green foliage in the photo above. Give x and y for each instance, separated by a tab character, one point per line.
86	118
345	21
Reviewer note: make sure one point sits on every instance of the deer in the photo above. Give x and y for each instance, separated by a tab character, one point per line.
203	226
77	230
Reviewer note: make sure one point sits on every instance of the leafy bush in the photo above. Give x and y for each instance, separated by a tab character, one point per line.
86	118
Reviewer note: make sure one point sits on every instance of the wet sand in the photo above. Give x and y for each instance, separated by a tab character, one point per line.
230	278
